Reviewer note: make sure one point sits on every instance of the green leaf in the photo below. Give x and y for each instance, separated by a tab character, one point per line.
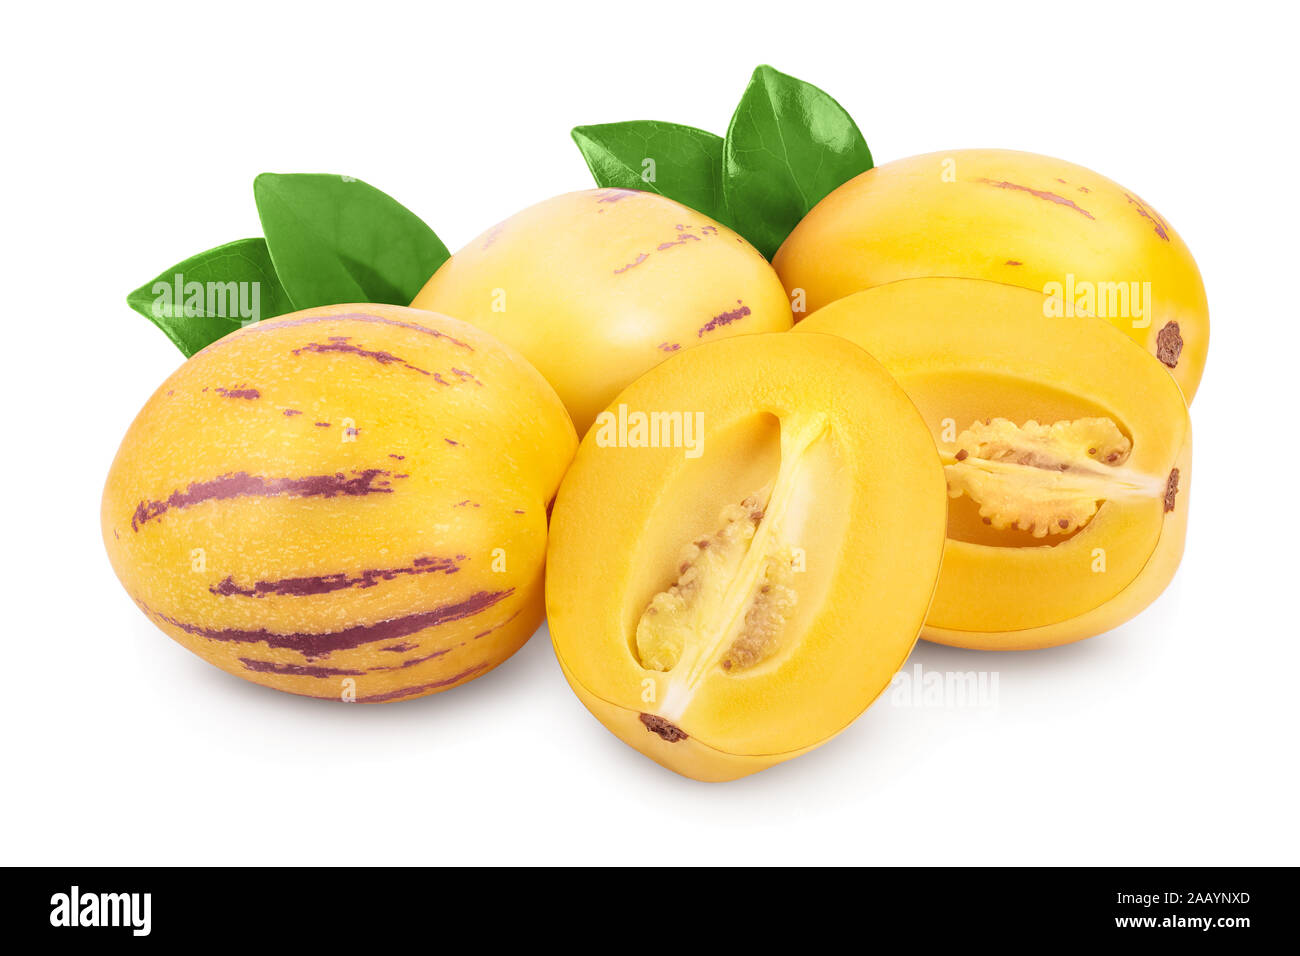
336	239
680	162
788	145
197	301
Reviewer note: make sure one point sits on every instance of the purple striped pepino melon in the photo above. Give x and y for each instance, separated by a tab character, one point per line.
347	503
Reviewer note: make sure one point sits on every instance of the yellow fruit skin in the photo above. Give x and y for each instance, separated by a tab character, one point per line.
966	349
596	287
1010	217
346	503
868	518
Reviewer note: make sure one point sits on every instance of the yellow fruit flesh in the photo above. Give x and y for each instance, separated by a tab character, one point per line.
727	612
1094	247
1067	457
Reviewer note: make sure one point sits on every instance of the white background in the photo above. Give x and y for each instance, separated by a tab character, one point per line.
131	137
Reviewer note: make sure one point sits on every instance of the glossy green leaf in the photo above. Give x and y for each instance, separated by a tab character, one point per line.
197	301
336	239
680	162
789	144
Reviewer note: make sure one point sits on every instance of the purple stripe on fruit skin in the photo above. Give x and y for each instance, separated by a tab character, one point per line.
351	317
421	688
497	627
309	670
325	583
249	393
413	661
679	241
612	194
401	648
290	412
1038	193
641	257
241	484
340	344
1160	225
296	670
314	645
723	318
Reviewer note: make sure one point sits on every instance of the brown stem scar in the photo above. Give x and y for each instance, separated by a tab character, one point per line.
1169	344
668	731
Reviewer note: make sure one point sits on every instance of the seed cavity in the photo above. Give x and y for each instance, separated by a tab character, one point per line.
729	611
1045	479
681	615
765	620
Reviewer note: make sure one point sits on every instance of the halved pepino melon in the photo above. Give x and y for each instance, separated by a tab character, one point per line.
1067	452
744	550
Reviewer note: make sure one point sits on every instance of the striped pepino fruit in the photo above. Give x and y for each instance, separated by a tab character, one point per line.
347	503
1090	246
